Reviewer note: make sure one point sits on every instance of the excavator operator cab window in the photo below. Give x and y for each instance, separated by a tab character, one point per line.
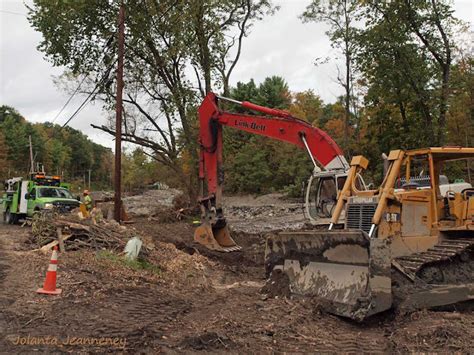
321	196
326	196
323	192
340	182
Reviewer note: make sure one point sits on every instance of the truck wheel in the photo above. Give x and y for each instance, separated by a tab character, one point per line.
9	217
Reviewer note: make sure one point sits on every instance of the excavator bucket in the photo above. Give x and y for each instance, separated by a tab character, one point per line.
347	272
213	238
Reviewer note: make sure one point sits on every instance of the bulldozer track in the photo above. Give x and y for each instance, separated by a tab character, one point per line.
445	251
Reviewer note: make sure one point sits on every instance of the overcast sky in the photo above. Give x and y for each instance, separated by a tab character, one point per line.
279	45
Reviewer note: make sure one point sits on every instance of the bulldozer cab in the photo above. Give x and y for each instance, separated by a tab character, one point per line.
349	270
429	202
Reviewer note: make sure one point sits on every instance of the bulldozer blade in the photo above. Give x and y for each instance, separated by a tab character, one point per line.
218	239
347	272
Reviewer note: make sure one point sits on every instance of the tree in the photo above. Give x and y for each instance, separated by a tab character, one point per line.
4	163
340	15
274	92
307	106
406	57
256	164
460	116
460	119
62	151
166	41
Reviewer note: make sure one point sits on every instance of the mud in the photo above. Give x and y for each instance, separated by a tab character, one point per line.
278	285
207	341
458	270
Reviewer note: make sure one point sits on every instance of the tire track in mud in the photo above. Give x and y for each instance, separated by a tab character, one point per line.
139	315
5	301
329	334
354	343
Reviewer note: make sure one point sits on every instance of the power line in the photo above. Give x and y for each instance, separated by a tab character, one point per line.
69	99
100	82
13	13
86	101
106	45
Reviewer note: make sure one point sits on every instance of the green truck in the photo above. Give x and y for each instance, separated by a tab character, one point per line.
24	197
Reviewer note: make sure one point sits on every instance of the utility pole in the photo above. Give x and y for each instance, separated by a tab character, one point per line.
118	116
89	185
32	166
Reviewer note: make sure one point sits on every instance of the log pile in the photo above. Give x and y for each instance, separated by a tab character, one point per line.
48	227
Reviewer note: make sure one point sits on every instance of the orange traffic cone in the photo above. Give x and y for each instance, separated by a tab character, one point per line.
49	286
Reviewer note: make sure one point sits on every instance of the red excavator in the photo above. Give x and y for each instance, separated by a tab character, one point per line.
330	165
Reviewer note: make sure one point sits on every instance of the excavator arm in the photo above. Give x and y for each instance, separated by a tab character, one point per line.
277	124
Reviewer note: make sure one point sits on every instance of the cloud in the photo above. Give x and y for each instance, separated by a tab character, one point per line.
278	45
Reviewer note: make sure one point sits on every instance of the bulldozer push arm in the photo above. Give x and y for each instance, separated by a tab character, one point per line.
409	246
276	124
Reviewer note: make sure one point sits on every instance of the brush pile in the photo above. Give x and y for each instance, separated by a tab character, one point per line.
49	226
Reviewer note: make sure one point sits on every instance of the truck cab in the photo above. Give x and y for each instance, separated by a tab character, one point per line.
23	198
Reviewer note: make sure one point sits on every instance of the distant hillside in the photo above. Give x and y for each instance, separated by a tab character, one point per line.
64	151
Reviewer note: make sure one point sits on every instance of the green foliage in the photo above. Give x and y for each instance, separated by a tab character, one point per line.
461	104
63	151
164	39
255	164
405	55
250	170
3	158
137	265
273	92
138	170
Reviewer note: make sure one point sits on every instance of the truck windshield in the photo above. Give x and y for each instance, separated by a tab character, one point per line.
54	192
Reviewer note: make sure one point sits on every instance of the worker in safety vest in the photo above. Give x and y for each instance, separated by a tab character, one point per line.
88	200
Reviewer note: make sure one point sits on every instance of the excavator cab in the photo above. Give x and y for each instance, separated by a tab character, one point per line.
321	194
411	231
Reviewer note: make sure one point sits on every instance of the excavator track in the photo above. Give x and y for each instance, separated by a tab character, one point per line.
444	252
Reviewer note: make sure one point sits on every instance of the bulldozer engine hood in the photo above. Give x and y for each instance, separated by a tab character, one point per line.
345	270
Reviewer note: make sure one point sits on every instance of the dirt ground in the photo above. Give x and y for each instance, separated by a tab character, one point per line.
191	300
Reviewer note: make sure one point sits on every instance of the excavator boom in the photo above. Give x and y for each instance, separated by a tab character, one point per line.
277	124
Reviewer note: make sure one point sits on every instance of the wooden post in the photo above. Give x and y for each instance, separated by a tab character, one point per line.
59	232
118	116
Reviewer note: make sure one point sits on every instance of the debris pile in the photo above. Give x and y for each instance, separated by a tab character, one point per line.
48	228
150	201
262	211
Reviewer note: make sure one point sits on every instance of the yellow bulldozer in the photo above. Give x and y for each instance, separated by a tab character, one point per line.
403	243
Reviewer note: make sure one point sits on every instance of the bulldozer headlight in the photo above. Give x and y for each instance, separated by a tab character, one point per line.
48	206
